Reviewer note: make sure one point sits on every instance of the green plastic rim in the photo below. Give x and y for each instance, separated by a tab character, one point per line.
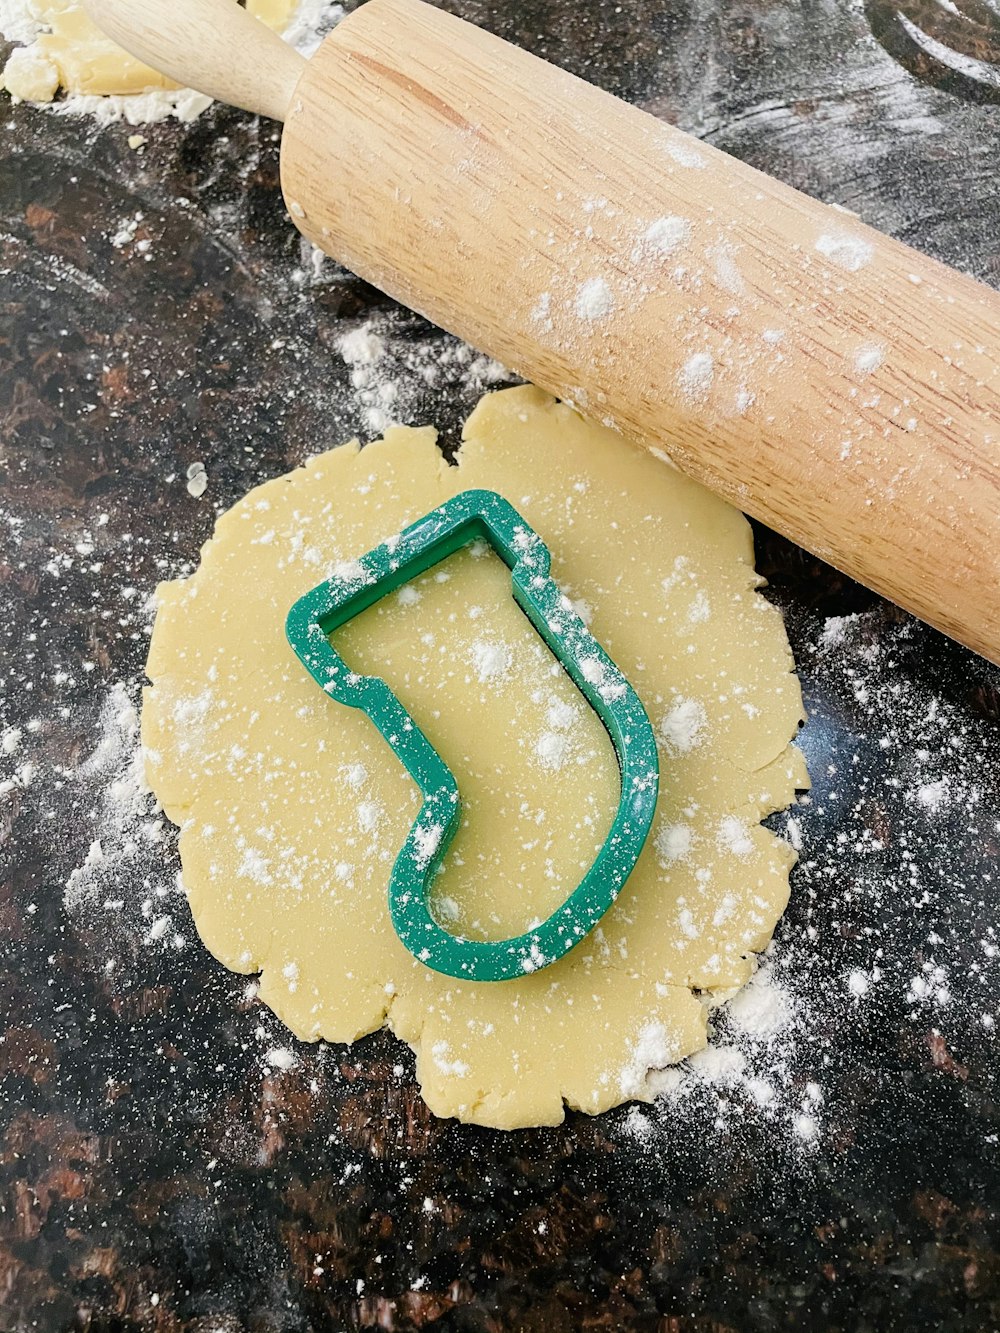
484	515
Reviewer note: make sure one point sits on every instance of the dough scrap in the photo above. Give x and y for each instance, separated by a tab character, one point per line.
71	53
292	807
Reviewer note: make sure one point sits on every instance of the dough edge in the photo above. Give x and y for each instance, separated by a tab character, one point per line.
486	1107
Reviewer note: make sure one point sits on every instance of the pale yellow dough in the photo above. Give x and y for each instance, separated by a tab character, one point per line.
293	808
74	55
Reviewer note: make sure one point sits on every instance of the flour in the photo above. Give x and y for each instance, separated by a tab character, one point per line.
673	843
594	300
651	1049
280	1058
743	1077
18	22
686	155
427	839
552	749
391	374
886	932
183	104
491	661
726	271
868	358
848	252
122	886
445	1063
734	836
370	816
663	236
696	375
683	726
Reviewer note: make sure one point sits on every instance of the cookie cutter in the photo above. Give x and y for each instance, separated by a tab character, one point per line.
468	516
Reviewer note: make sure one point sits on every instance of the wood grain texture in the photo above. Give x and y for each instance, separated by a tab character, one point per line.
828	380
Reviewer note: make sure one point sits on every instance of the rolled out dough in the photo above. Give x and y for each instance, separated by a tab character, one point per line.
293	808
71	53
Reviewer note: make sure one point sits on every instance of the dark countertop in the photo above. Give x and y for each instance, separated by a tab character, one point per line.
156	1173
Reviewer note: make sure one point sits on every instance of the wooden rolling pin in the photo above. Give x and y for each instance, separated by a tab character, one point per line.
833	383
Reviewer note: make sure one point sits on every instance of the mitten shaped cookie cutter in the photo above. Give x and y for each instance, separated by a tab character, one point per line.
471	515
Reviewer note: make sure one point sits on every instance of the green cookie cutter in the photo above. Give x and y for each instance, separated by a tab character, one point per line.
471	515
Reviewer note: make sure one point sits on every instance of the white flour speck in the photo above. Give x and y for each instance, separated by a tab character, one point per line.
682	728
696	375
685	155
848	252
651	1049
491	661
593	299
674	842
369	816
664	236
392	372
734	836
427	839
281	1058
868	358
551	749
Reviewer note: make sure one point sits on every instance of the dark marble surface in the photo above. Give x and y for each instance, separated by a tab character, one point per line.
156	1173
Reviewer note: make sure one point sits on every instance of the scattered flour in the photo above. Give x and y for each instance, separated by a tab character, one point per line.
744	1076
593	299
934	796
280	1058
686	155
735	836
664	236
726	271
891	926
696	375
427	839
700	609
392	374
370	815
683	727
444	1060
868	358
354	775
491	661
848	252
651	1050
552	749
674	843
114	888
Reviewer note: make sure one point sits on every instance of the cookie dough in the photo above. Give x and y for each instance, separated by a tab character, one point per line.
293	808
72	54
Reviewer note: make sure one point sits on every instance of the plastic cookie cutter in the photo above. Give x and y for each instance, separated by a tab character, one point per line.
355	587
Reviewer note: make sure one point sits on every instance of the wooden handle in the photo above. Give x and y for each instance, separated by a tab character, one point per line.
833	383
213	46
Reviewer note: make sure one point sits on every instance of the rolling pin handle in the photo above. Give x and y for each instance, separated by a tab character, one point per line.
213	46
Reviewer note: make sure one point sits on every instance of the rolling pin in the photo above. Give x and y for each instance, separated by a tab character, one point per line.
831	382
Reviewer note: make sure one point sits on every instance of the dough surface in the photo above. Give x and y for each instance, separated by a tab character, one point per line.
292	807
71	53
